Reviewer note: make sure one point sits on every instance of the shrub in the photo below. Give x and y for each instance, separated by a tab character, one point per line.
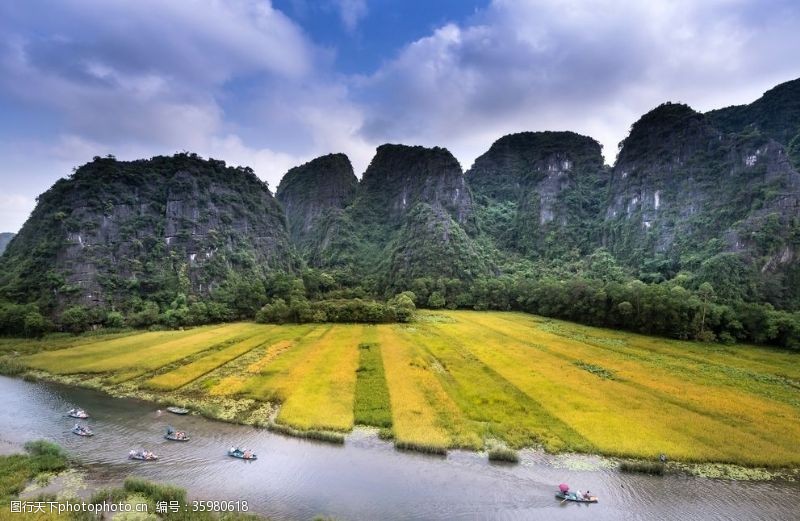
655	468
504	454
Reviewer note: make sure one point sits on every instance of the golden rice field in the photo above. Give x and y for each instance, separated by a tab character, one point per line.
465	379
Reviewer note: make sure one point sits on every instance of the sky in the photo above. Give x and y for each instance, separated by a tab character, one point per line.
272	85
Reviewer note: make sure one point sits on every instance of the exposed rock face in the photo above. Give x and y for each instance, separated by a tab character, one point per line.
411	217
116	229
548	188
401	176
716	195
307	192
682	192
5	238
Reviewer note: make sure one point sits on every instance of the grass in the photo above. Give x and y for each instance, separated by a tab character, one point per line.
190	372
655	468
321	392
503	454
413	392
17	470
309	434
458	379
371	406
137	490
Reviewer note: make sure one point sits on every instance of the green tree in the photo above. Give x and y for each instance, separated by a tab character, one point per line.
114	319
75	319
436	300
35	324
706	294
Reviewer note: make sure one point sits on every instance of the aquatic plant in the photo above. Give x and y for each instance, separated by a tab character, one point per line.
326	436
503	454
421	447
655	468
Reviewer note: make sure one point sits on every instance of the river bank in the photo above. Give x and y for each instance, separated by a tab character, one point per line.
365	478
250	413
458	380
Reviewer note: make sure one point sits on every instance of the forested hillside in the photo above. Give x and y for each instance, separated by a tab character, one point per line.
693	233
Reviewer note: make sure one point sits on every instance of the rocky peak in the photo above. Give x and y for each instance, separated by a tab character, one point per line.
776	114
401	176
309	190
669	134
166	225
524	160
549	185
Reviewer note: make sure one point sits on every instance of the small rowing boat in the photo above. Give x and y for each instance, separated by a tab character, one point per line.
173	435
142	455
80	430
177	410
572	497
77	413
242	453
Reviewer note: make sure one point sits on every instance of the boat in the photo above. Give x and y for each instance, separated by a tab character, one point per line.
244	454
174	435
572	497
142	455
77	413
80	430
177	410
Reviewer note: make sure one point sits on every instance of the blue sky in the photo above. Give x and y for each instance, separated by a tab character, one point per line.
274	84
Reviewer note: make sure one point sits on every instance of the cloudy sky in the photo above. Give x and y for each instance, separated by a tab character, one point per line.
274	84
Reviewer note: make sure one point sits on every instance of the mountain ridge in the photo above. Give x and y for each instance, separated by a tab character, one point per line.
692	199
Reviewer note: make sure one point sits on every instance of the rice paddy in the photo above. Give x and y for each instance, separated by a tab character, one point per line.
461	379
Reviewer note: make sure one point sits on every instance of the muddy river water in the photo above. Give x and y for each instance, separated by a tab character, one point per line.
365	479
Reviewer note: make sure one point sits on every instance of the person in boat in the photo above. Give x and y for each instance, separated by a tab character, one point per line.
247	454
587	495
578	494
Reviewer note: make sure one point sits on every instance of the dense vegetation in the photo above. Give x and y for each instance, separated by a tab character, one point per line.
693	234
17	470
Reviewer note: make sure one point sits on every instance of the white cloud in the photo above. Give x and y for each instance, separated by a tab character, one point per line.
592	66
239	81
268	164
14	210
351	12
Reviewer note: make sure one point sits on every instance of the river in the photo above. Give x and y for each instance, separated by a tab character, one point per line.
365	479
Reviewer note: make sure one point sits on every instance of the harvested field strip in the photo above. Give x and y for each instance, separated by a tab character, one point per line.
604	410
273	381
232	377
188	373
272	353
419	403
490	400
371	405
320	390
